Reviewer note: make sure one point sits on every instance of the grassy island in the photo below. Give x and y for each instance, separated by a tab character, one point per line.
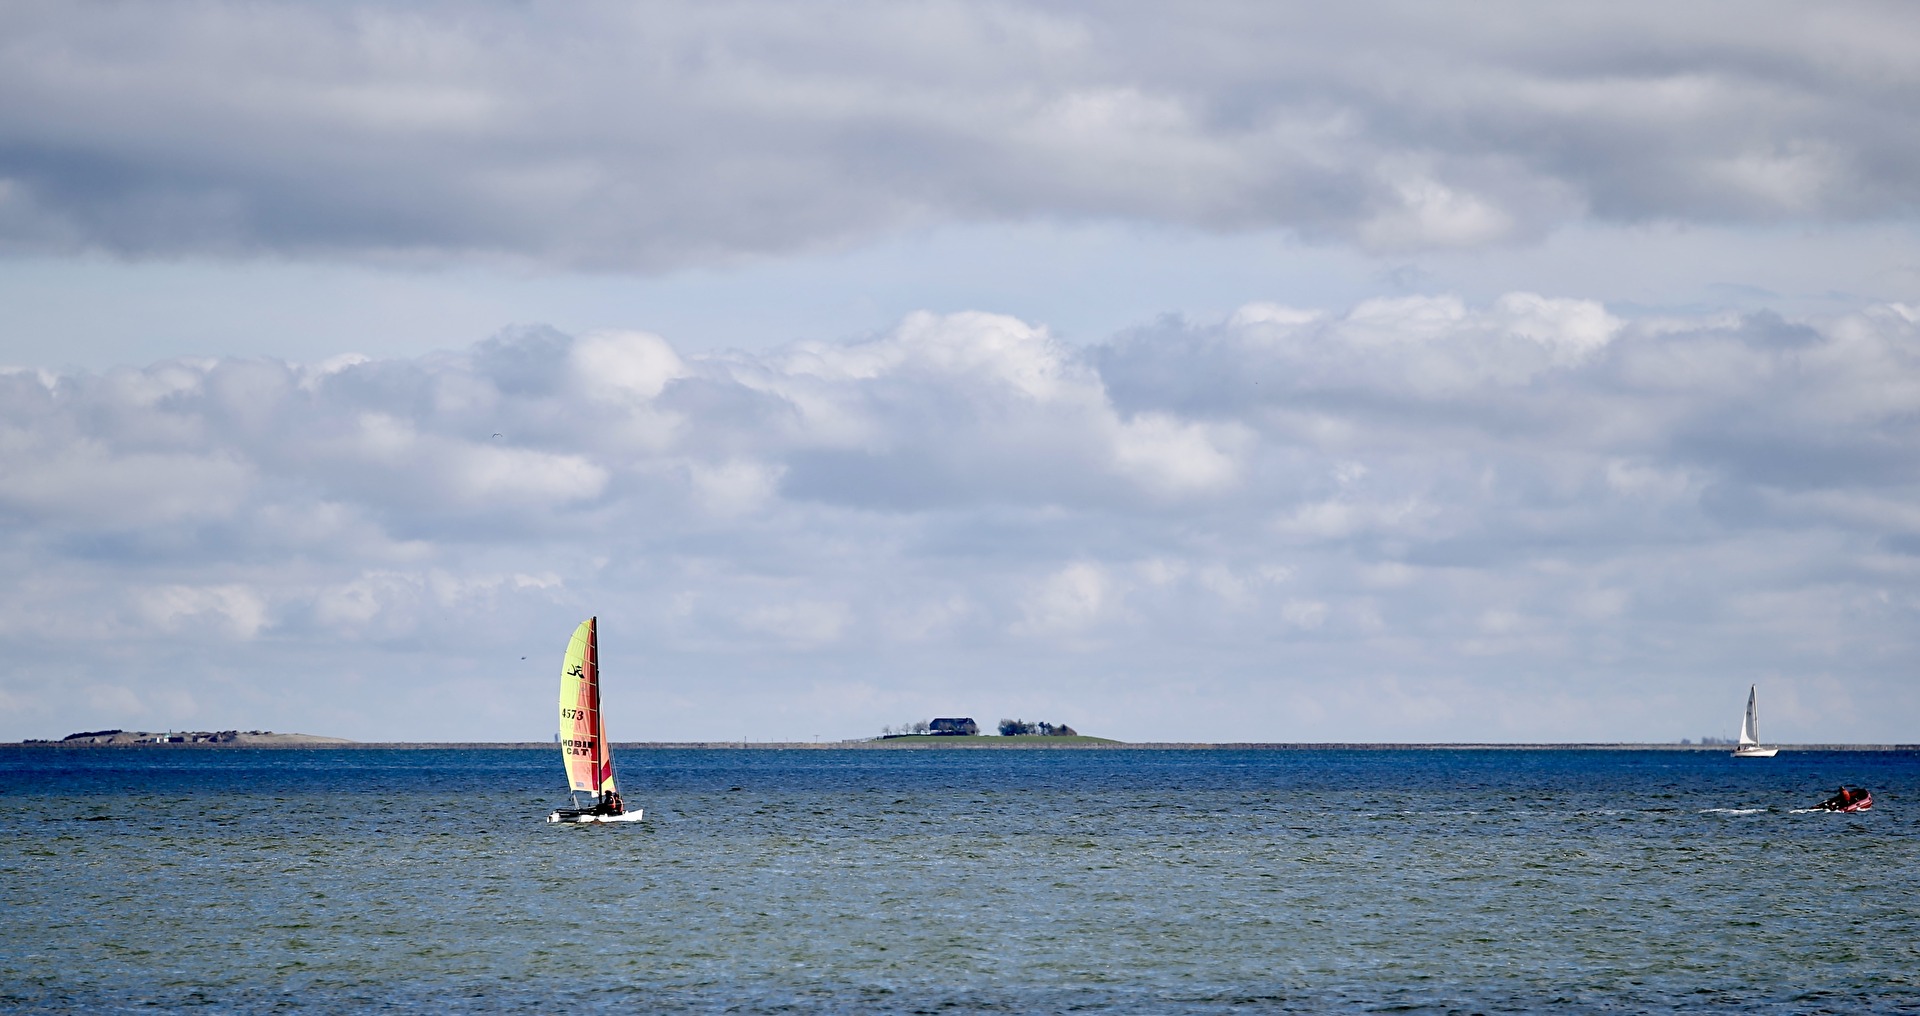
986	741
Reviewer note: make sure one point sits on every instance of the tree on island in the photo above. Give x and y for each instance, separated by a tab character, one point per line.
1016	728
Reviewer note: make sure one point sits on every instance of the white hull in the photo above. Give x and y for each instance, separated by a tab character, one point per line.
1755	752
554	818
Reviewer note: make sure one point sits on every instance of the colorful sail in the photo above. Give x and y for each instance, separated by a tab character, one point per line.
583	730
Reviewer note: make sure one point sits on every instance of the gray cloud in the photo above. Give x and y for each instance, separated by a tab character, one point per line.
607	136
1412	519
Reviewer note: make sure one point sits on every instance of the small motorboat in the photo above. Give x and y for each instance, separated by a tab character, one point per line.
1847	799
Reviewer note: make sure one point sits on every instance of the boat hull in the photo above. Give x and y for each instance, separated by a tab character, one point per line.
1848	801
581	818
1755	752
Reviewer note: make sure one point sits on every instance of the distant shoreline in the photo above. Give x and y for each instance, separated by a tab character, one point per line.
308	741
190	739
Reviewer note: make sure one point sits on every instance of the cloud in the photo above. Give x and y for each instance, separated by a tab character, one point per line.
236	610
699	134
1068	601
803	623
1171	455
1199	530
624	365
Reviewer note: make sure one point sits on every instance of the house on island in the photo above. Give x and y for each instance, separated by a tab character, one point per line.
956	726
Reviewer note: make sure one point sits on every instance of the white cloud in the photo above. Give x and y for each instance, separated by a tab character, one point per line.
1307	614
1288	520
488	475
82	480
1171	456
1276	315
1341	517
379	596
238	611
799	623
733	488
1645	480
993	349
621	366
461	474
1573	329
1425	213
1257	511
115	700
405	132
1069	601
926	621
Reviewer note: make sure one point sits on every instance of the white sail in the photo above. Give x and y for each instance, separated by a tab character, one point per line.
1749	746
1750	723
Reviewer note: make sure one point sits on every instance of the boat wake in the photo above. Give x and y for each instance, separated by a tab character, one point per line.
1734	811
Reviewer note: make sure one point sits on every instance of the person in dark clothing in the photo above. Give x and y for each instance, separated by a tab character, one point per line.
1844	798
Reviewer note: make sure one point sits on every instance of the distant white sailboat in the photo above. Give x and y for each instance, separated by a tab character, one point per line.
1749	746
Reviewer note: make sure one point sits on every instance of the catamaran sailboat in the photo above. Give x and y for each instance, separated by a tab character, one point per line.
583	735
1749	746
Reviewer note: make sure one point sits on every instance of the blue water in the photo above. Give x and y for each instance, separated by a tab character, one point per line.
1408	881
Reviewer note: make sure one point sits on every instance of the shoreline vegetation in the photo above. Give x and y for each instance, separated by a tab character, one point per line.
911	741
269	739
192	738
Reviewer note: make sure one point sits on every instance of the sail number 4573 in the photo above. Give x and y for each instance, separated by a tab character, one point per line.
573	714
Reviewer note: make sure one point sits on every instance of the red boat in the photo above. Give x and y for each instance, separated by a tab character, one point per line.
1848	799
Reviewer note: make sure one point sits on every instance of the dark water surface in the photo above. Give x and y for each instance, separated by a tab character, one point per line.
957	881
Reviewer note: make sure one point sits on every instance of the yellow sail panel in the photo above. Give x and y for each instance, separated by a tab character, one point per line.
582	732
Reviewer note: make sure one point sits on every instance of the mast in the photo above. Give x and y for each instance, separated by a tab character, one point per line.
602	750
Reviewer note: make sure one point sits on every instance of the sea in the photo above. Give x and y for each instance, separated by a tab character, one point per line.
1278	880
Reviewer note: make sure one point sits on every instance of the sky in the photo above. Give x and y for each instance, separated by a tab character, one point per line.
1246	372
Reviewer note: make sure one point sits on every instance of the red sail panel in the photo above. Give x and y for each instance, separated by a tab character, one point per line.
603	748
